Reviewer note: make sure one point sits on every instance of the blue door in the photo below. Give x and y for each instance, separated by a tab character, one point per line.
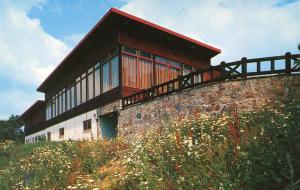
108	125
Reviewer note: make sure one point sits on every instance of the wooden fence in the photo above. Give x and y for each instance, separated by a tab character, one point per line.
245	68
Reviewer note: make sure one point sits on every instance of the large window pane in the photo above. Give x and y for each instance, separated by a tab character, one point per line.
78	94
68	99
53	108
97	82
114	72
83	90
129	71
63	101
146	73
72	97
57	105
161	73
105	76
90	86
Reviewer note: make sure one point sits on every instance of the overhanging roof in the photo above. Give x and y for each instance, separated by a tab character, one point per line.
111	18
37	106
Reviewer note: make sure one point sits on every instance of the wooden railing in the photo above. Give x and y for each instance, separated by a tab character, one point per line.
245	68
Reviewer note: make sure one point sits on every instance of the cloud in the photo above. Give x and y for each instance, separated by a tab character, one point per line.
240	28
27	52
73	40
27	55
18	100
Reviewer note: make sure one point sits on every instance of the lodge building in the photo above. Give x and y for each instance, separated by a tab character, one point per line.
120	56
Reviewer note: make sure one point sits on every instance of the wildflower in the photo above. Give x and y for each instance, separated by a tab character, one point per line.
238	147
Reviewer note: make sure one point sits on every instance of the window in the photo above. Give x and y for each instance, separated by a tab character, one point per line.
105	75
114	72
68	100
83	89
129	50
78	94
53	107
166	69
129	71
61	132
87	125
48	110
91	85
137	71
57	105
97	80
63	100
72	96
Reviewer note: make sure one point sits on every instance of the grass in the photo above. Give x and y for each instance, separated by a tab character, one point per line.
253	150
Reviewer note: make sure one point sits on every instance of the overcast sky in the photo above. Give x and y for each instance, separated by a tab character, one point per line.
35	35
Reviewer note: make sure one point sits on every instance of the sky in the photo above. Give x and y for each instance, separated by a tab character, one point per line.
35	35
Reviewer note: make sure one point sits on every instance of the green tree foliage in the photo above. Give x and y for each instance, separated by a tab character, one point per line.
10	129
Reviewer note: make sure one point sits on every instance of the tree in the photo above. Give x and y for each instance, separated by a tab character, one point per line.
10	129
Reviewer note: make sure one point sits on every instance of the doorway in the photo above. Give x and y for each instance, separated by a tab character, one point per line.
109	125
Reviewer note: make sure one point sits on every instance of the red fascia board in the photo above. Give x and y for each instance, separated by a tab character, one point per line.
132	17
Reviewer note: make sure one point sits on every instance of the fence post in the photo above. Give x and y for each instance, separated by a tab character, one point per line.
179	83
192	79
223	71
288	63
244	67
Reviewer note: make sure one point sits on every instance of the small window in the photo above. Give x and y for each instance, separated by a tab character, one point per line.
61	132
174	63
145	54
87	125
129	50
161	59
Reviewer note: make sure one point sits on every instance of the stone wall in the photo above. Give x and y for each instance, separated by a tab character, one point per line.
213	98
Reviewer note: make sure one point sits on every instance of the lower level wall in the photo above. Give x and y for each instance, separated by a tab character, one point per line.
248	94
73	129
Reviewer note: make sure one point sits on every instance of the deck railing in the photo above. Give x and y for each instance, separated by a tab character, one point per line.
245	68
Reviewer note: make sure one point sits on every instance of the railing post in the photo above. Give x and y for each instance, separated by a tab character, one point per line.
192	80
223	71
288	63
179	83
244	67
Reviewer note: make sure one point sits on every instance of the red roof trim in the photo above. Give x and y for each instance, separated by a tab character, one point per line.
132	17
135	19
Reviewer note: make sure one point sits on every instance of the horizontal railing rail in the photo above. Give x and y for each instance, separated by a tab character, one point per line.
244	68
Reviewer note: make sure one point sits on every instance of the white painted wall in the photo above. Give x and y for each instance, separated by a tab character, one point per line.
73	129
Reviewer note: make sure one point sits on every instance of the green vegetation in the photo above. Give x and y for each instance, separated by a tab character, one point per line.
253	150
10	129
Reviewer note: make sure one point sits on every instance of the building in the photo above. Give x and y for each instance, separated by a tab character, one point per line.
120	56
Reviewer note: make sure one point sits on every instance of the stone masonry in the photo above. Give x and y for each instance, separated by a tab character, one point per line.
247	94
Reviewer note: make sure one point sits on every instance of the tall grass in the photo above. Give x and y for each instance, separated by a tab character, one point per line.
249	150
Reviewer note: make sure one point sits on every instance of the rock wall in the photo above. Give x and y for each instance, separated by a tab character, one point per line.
213	98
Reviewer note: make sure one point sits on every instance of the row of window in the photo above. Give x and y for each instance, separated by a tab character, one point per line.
87	126
143	70
102	77
139	70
